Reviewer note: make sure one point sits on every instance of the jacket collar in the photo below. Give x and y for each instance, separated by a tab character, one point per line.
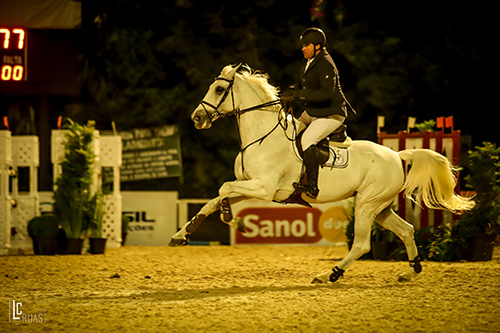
315	60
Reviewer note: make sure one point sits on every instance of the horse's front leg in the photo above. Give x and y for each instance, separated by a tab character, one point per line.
179	238
254	188
241	189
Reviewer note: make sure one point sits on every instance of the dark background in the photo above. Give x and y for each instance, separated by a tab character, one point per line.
148	63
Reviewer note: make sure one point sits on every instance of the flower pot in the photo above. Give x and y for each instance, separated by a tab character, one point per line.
61	242
97	245
124	238
47	246
482	247
35	245
74	246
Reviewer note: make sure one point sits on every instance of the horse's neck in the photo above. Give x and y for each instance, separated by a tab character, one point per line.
255	124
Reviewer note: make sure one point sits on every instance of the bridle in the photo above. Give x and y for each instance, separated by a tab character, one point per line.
216	114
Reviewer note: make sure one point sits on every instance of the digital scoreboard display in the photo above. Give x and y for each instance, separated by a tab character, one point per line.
13	54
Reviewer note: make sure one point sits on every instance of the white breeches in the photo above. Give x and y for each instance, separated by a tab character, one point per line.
318	128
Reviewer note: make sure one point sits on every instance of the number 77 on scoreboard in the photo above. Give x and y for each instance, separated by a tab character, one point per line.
13	54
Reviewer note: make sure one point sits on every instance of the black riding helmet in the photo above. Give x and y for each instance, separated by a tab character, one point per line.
313	36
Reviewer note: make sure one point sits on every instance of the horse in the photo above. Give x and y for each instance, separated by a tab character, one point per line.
266	167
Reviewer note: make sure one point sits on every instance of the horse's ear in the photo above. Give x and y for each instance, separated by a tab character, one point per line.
229	71
237	68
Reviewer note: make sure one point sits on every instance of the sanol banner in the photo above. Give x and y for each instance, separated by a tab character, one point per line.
272	223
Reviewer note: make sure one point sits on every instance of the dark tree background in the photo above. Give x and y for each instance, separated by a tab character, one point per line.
149	63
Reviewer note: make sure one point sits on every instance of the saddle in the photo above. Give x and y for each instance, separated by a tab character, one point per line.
337	138
323	147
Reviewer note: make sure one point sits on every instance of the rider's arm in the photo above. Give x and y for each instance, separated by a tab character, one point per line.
325	81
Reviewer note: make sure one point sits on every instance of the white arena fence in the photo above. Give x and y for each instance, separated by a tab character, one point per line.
18	207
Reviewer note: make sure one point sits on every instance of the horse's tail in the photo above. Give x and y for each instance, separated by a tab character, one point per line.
432	180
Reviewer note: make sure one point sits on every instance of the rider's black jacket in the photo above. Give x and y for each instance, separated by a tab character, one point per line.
318	90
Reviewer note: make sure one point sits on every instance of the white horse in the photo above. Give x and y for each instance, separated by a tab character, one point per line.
266	167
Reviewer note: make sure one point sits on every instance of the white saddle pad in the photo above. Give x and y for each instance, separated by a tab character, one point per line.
339	158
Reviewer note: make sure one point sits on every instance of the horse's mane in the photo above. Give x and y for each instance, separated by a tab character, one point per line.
260	81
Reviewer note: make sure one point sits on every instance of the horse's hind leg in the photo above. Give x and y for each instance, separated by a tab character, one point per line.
391	221
362	229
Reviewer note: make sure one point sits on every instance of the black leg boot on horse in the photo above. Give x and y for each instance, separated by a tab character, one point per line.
312	170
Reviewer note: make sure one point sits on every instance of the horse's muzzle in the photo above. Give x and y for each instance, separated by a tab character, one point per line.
201	119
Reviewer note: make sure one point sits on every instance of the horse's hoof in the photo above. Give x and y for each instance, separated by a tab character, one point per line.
406	277
403	278
317	280
177	242
240	225
321	278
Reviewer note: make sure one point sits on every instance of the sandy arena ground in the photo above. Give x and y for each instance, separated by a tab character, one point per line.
245	289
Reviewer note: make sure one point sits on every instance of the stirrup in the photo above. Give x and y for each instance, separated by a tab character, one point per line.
310	191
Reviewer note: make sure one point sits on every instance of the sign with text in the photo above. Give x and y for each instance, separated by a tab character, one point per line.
151	153
272	223
152	216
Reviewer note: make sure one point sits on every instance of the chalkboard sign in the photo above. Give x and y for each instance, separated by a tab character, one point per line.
151	153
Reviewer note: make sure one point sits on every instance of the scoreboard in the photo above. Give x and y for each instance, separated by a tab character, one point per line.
13	54
51	66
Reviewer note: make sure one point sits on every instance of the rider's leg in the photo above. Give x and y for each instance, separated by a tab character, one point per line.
312	170
318	129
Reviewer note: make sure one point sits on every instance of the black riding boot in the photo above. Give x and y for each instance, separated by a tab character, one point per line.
312	169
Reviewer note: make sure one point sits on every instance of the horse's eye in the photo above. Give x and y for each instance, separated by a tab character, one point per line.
219	90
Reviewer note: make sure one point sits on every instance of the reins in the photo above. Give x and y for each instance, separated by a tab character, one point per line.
261	139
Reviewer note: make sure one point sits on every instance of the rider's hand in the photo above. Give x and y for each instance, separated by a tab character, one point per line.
289	92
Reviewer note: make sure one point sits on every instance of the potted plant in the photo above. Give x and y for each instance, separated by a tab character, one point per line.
73	186
95	216
32	227
44	231
441	246
427	125
477	229
125	223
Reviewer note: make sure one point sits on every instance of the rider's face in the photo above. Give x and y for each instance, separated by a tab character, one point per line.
308	50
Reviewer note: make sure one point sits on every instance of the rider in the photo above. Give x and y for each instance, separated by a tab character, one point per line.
319	96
